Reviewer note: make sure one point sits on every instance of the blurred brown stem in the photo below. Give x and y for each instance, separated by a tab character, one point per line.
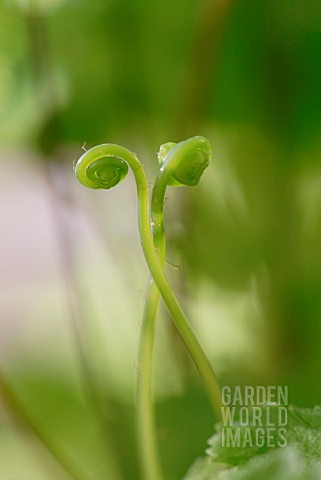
201	64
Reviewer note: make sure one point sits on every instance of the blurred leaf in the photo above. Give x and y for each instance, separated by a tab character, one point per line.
299	460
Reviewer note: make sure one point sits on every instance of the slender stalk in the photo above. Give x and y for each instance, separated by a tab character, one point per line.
184	329
150	461
149	455
92	174
146	419
104	166
148	443
20	414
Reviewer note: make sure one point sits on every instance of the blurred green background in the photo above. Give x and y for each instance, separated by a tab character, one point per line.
74	73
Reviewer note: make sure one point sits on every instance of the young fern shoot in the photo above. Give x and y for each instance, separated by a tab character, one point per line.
104	166
176	169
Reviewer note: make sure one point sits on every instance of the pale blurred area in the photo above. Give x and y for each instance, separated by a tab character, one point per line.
43	236
244	251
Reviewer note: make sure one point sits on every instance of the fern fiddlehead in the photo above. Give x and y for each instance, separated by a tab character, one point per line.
104	166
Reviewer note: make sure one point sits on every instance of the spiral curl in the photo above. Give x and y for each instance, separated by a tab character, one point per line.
190	167
100	170
184	153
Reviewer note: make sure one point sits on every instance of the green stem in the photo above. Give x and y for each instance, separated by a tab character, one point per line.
146	419
152	260
148	444
93	175
204	367
21	415
150	462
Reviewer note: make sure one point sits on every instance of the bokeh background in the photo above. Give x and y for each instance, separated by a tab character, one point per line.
74	73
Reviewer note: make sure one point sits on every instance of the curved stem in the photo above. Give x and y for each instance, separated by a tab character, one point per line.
148	444
150	462
204	367
152	260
